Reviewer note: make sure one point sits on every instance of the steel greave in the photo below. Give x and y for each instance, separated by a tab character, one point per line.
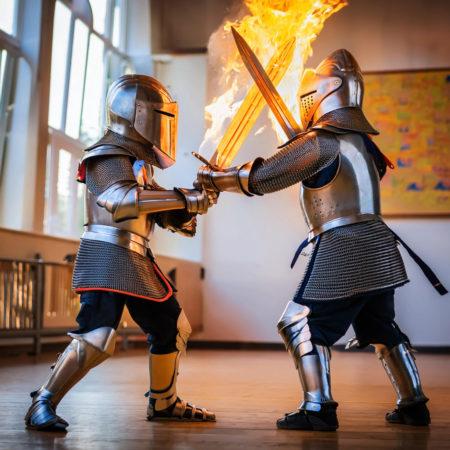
163	379
312	361
82	354
314	372
164	369
400	366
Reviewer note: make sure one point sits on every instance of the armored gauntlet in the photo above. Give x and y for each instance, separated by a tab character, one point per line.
197	202
234	179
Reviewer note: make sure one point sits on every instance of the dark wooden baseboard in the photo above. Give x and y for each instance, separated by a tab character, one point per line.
232	345
12	350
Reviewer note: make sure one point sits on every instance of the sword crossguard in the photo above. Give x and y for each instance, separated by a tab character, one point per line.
205	161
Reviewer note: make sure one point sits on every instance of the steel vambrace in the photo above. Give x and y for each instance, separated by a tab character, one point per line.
126	200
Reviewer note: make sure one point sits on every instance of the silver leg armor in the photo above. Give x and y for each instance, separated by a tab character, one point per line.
293	328
399	364
313	368
164	402
82	354
314	372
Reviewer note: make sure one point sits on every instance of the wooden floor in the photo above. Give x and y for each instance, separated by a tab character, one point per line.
247	389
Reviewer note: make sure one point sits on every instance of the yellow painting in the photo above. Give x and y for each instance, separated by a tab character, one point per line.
412	112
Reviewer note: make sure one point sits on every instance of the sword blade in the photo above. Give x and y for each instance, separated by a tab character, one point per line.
251	107
265	85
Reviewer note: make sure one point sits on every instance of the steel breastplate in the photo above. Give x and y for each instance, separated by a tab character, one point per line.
96	215
352	196
99	223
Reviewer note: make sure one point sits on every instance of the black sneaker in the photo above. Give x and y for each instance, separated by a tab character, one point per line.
416	415
323	420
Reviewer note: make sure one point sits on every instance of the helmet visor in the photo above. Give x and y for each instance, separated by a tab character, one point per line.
307	97
157	123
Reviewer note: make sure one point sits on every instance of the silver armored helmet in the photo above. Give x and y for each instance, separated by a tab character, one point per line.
139	107
336	83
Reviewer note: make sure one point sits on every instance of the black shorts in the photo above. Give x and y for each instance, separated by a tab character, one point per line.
157	319
372	317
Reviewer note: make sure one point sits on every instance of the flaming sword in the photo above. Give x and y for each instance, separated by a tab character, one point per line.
250	109
267	88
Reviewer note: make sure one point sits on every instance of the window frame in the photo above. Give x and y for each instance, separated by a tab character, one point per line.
109	48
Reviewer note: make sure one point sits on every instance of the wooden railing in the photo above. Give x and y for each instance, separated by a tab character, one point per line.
34	296
36	299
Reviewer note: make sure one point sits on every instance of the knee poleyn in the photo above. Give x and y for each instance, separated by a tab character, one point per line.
184	331
293	328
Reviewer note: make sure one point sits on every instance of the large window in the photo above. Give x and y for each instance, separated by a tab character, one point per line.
87	54
14	76
8	16
7	66
8	45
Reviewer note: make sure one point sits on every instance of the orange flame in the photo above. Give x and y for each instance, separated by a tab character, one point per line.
266	25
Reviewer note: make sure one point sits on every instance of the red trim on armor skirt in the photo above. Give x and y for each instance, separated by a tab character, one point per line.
163	278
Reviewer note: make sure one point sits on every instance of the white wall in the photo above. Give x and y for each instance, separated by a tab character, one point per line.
185	78
248	244
138	36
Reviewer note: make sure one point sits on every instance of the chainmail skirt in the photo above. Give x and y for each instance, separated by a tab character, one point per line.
104	266
352	260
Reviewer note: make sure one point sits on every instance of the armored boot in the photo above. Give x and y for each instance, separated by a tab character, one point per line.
164	402
317	412
399	364
82	354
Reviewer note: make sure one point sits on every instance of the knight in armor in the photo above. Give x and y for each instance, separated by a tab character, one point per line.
115	266
354	265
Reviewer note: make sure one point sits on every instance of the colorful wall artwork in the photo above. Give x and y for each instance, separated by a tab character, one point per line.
412	112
